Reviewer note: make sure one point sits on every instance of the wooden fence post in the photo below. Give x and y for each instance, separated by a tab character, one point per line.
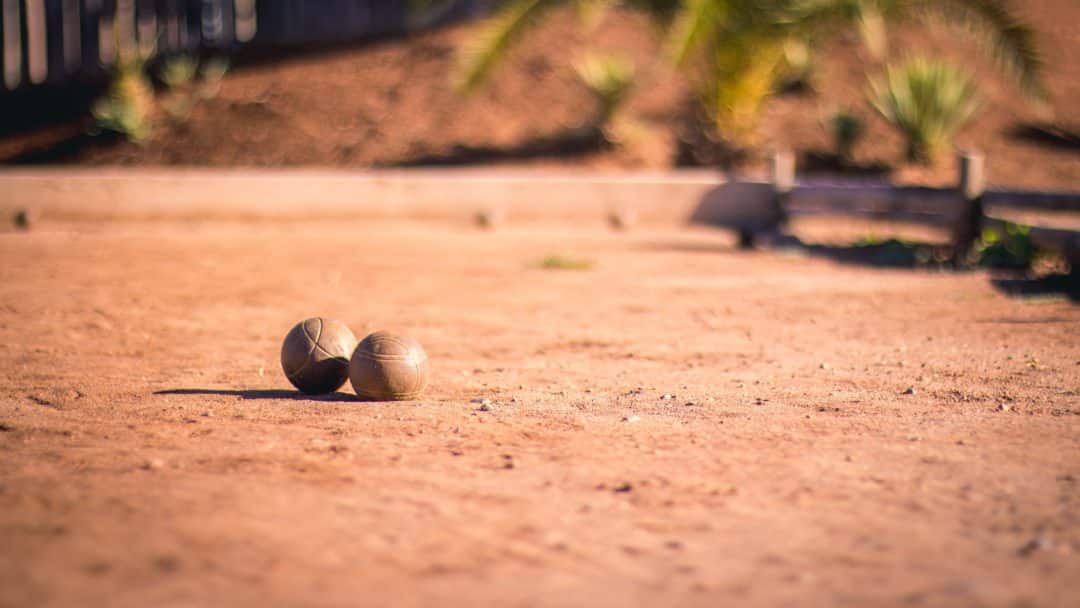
972	185
783	180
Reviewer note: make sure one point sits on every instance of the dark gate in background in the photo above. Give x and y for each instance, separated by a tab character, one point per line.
59	41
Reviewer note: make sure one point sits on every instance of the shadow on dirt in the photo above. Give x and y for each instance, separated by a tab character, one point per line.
817	162
71	143
259	394
46	107
896	253
569	143
1049	135
1049	286
888	253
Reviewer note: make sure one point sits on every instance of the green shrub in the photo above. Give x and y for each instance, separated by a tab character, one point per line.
1010	247
179	71
127	107
928	101
846	128
188	80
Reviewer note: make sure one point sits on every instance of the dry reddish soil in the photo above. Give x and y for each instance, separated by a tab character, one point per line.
392	103
679	424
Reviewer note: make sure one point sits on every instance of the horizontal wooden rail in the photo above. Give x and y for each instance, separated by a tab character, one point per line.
746	205
761	207
547	195
1044	201
933	206
896	215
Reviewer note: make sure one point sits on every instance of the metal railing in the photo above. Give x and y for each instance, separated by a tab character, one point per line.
59	41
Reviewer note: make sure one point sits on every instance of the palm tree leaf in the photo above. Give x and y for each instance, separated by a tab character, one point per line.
660	11
488	47
1011	41
873	29
591	12
694	27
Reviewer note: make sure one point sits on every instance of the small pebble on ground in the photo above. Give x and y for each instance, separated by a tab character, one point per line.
24	219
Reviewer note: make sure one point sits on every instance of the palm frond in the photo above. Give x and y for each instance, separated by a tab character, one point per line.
743	76
693	28
1011	42
480	55
869	17
816	12
660	11
872	29
591	12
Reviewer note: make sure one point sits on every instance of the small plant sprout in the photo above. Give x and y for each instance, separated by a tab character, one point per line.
179	71
214	69
797	71
609	78
928	101
127	107
212	73
846	128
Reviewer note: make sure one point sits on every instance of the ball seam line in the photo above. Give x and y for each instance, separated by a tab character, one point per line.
315	345
370	357
392	340
389	396
328	353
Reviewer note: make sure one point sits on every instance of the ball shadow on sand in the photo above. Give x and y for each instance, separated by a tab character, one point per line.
272	394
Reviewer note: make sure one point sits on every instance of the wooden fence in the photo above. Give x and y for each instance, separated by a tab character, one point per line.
756	208
59	41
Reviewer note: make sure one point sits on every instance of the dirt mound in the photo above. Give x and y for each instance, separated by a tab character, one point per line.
390	104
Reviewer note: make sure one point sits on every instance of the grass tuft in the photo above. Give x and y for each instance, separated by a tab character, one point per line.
558	262
928	101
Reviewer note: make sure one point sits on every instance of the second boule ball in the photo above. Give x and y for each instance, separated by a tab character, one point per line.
389	367
315	355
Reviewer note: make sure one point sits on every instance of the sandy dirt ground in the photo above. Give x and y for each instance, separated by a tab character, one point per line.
392	103
679	424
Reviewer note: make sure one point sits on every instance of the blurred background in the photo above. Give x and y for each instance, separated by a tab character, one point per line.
875	89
